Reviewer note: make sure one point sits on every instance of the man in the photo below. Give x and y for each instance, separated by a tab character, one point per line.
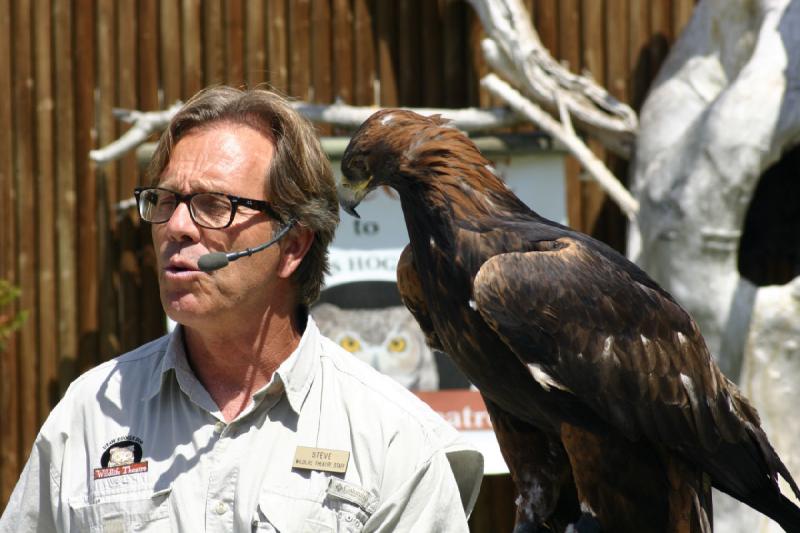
244	417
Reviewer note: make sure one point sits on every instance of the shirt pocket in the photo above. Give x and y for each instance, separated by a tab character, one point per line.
316	511
126	513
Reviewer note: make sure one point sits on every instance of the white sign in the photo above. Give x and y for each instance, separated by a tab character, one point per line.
368	248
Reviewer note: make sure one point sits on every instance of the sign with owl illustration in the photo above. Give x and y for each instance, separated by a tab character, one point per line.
388	339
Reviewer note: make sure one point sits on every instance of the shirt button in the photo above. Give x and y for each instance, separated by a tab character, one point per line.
219	427
220	508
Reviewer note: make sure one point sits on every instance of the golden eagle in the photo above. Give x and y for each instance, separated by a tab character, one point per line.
607	405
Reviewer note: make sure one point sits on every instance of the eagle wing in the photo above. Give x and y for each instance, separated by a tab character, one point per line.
599	329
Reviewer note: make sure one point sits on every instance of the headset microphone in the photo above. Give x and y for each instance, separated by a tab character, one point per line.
217	260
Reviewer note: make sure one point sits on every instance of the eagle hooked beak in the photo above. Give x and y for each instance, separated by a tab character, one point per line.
352	192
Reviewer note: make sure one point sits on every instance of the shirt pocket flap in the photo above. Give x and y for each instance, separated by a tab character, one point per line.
125	512
284	514
321	503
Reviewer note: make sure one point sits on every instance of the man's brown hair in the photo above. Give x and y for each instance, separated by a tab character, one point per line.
299	183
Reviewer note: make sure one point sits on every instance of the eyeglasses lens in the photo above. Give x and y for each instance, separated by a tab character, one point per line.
212	210
156	206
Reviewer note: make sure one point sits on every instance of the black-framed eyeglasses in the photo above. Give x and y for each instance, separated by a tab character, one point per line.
212	210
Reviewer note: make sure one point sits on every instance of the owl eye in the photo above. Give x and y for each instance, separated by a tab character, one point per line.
397	344
350	344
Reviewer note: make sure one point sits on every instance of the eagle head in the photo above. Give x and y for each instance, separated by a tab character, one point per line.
380	149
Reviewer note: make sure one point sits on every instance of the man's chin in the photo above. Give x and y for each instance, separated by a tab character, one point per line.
184	308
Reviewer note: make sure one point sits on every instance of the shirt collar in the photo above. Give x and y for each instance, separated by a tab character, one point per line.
295	374
174	359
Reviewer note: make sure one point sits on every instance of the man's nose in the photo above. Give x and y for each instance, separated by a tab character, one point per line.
181	222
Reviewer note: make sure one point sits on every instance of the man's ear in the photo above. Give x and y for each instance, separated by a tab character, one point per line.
294	247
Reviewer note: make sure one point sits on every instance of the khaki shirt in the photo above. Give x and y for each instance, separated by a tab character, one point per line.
137	444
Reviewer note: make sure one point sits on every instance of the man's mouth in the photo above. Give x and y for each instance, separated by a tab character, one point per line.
177	270
180	267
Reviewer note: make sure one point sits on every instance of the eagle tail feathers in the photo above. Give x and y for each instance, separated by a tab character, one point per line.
779	508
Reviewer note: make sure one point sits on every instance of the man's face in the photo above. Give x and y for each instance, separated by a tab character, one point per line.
232	159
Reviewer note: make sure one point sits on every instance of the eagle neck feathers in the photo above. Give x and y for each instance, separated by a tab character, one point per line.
453	182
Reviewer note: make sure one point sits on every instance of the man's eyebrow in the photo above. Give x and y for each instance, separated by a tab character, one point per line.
199	184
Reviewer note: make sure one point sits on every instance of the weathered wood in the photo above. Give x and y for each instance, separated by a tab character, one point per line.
385	39
6	148
255	51
191	39
10	456
681	13
430	53
569	46
364	49
127	99
342	17
66	205
638	60
24	133
107	176
321	56
213	43
545	19
147	54
46	296
170	51
617	81
234	42
299	46
453	44
407	53
277	39
480	66
86	182
593	56
616	20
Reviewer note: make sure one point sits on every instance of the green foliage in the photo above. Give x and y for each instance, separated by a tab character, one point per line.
9	323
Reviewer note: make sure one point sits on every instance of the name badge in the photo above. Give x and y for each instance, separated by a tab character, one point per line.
321	459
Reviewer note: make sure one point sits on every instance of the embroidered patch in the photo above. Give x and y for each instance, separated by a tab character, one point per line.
350	493
122	456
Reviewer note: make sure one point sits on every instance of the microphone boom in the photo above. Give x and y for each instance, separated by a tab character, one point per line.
217	260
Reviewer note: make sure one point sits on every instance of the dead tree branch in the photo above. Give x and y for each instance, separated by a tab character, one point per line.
564	133
146	123
514	51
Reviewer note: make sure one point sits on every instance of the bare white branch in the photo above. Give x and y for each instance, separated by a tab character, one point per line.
518	55
574	144
144	125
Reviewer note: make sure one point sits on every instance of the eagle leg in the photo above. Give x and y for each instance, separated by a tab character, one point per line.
632	487
541	473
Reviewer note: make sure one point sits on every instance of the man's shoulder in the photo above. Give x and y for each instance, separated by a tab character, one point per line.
105	388
142	361
391	410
